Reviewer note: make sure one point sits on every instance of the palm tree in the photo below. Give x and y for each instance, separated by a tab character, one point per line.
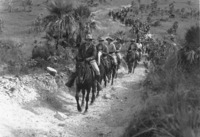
60	22
82	15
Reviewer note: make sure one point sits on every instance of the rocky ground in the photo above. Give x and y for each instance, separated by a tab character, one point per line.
50	109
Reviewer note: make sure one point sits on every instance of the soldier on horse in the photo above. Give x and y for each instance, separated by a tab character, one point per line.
87	52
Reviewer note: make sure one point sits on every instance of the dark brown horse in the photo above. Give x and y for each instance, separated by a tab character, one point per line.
85	82
132	59
103	69
112	69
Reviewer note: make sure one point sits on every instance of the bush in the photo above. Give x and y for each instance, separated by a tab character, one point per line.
11	56
189	55
174	110
167	115
156	24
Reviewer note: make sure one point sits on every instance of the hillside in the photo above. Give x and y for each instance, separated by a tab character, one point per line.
37	104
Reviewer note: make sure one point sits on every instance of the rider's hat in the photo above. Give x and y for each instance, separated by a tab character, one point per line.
172	37
119	39
100	39
132	40
89	37
109	39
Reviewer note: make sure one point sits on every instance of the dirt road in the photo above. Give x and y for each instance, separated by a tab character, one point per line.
111	112
107	117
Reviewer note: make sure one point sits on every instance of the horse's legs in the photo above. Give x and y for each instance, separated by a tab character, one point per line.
130	66
108	74
116	70
105	80
97	92
134	66
113	75
87	99
77	99
83	97
93	93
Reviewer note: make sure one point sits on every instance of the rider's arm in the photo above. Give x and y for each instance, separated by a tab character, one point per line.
113	47
94	53
130	47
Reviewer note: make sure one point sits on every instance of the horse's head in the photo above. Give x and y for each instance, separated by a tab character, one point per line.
81	71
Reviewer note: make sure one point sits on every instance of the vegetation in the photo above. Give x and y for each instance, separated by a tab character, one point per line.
172	93
66	23
65	28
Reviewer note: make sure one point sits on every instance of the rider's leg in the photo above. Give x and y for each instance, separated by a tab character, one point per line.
95	67
114	58
119	56
97	72
99	57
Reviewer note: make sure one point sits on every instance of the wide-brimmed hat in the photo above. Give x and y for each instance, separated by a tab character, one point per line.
89	37
100	39
109	39
132	40
118	39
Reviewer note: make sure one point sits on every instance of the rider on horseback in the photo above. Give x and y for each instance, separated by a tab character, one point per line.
139	48
132	47
102	50
112	49
88	52
118	48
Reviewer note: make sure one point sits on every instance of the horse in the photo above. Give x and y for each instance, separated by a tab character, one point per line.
132	58
118	62
85	82
103	68
112	69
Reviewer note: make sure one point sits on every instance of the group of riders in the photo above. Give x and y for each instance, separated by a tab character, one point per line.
108	51
101	61
94	53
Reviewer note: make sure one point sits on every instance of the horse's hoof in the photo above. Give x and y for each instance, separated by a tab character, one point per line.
79	109
85	112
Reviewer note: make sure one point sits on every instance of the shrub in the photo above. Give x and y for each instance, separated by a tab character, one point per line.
11	55
189	55
174	110
167	115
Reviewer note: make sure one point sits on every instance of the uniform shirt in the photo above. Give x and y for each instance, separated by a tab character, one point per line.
148	35
102	47
111	48
139	45
88	51
132	46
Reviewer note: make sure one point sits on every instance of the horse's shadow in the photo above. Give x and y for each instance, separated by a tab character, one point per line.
64	103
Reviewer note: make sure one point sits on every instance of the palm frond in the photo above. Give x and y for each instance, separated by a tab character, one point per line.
192	38
60	7
82	12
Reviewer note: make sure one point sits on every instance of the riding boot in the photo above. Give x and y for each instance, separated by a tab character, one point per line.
99	87
71	80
